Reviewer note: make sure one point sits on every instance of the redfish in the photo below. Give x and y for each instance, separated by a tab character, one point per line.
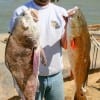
23	52
79	45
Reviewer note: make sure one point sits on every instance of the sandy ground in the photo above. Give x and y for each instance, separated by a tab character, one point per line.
7	89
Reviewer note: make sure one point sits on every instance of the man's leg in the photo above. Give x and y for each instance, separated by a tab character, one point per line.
55	88
51	87
42	87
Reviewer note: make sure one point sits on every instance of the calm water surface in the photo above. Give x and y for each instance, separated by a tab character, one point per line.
90	8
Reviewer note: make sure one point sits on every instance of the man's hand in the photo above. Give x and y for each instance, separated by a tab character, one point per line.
72	11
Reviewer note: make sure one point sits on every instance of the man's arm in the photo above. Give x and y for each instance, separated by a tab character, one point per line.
63	40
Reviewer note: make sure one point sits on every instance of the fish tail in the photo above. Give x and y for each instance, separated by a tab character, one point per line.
79	95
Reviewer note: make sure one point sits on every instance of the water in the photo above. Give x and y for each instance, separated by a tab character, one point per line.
90	8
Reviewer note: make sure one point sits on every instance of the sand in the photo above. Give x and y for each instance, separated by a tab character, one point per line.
7	89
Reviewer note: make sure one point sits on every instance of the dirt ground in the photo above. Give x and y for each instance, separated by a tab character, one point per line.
7	90
93	88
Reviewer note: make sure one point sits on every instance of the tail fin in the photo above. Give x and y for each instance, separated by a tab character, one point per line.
79	95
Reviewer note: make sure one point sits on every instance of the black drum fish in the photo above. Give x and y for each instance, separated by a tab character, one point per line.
23	52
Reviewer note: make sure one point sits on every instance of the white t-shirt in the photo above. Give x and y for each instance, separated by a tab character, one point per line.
51	24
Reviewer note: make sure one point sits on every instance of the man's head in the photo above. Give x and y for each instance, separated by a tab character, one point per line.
42	2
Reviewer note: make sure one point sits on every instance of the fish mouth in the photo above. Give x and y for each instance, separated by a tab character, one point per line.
29	38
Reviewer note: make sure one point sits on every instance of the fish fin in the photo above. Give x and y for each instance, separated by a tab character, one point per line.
73	44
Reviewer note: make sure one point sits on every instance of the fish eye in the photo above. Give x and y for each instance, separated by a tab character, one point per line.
23	14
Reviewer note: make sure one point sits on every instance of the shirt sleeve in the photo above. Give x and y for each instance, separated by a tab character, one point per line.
12	21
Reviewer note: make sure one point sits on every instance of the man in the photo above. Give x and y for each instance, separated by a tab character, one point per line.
52	23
